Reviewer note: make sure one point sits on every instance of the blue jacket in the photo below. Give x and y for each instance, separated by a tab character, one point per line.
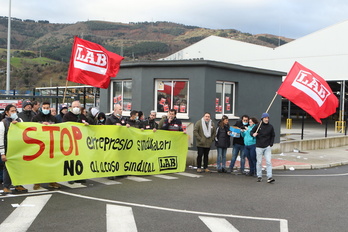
248	138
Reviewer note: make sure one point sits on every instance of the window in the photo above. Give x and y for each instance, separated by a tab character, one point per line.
122	94
225	96
171	94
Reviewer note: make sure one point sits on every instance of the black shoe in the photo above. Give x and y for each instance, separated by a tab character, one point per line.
111	178
71	182
270	180
219	171
224	170
259	179
80	181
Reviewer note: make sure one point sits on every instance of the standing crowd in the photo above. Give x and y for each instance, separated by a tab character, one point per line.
33	111
254	142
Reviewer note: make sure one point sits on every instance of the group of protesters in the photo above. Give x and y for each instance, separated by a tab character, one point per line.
253	141
33	111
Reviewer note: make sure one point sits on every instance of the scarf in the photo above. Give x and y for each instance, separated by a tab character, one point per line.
206	131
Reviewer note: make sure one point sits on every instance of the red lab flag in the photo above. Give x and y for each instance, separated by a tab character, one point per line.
91	64
309	91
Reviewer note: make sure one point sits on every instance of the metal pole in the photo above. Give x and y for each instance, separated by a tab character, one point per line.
8	68
302	130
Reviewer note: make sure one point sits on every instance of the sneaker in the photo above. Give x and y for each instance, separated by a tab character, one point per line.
206	170
270	180
7	191
36	186
259	179
21	189
54	185
219	170
229	170
199	170
224	170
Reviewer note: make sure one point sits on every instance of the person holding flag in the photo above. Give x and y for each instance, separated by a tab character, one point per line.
264	134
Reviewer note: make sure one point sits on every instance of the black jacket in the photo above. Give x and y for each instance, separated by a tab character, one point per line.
148	124
265	135
239	140
70	117
174	125
222	139
113	120
26	115
40	117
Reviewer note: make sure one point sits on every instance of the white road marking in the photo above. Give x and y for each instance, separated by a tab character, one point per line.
188	174
22	217
74	185
120	218
137	179
218	224
105	181
319	175
283	222
166	177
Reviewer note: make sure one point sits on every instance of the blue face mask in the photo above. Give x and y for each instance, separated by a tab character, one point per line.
102	120
45	112
14	116
245	123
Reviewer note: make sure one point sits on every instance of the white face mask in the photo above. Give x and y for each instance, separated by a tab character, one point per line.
45	112
14	116
76	110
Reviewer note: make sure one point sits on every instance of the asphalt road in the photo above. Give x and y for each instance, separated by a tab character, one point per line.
300	200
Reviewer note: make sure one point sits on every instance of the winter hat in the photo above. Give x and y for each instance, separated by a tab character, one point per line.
94	111
264	115
26	102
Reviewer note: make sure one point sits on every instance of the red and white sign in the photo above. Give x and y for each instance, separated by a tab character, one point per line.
92	64
309	91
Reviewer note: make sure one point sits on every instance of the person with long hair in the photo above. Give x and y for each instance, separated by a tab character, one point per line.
222	142
10	117
250	146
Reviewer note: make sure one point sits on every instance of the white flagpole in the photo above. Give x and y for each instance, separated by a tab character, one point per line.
8	67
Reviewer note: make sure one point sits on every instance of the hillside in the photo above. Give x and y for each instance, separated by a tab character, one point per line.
134	41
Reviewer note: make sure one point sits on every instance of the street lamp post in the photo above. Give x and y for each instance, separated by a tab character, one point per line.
8	70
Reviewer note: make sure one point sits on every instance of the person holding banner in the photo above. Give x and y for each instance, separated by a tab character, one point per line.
133	120
150	123
116	118
204	132
75	115
264	134
27	114
172	123
222	142
44	116
10	117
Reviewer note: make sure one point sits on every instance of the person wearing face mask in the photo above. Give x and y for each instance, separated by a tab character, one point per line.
116	117
27	114
75	115
44	115
238	144
10	117
101	118
133	120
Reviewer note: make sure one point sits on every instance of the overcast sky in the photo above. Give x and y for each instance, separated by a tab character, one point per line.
289	18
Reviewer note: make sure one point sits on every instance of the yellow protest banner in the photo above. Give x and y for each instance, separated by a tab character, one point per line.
72	151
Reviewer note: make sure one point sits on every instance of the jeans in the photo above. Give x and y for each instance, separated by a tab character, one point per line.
267	153
7	179
250	154
237	148
202	151
221	157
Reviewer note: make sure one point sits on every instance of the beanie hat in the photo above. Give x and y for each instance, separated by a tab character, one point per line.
264	115
94	111
26	102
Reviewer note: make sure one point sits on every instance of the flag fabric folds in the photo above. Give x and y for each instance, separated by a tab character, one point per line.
92	64
309	91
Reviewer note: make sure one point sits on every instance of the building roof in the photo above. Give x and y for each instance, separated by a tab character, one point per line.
324	52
